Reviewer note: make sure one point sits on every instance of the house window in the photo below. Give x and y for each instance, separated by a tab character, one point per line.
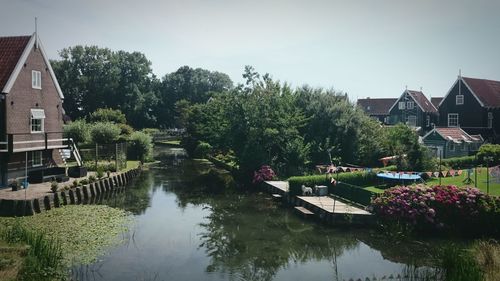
490	119
428	120
452	119
37	120
36	158
451	146
410	105
402	105
411	120
368	108
386	120
36	79
459	99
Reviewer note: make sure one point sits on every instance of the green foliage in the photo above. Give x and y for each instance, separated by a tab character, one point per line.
353	193
150	131
92	178
78	130
100	172
103	166
403	140
54	186
140	146
459	162
104	132
76	183
108	115
202	150
126	130
489	154
460	265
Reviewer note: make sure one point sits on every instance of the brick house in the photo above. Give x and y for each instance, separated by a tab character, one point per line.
473	105
377	108
31	112
415	110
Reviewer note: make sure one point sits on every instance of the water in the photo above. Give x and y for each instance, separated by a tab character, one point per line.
182	233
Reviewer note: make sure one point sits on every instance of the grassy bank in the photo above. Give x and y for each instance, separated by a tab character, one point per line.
81	233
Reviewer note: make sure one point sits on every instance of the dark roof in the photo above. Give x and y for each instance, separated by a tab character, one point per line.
436	101
11	49
488	91
423	102
376	106
456	135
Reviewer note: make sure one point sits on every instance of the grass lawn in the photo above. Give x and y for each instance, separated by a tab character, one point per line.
132	164
11	260
458	181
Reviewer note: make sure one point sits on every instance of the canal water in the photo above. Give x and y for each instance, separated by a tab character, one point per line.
182	232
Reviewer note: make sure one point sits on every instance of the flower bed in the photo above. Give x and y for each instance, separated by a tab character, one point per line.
440	208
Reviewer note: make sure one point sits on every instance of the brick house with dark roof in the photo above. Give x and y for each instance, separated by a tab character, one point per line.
414	109
31	110
473	105
377	108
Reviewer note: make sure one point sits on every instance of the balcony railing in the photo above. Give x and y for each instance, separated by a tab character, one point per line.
13	143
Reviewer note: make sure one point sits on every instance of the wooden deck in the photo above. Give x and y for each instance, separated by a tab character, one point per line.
326	203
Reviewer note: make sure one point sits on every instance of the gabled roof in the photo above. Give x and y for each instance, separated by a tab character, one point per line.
435	101
455	134
14	52
487	91
419	99
378	106
11	49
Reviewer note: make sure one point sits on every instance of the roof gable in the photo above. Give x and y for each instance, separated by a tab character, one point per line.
12	74
11	49
454	134
420	99
435	101
487	91
377	106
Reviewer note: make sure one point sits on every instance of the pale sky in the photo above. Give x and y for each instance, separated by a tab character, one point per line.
365	48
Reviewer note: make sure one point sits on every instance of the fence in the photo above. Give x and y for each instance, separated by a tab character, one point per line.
111	157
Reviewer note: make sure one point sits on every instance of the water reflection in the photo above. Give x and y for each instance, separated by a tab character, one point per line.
183	233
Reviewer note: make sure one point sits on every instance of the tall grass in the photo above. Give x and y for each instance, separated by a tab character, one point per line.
487	254
44	258
460	265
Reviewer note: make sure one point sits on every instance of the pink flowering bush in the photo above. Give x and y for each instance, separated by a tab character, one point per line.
438	207
265	173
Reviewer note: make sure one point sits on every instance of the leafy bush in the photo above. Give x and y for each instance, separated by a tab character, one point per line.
202	150
92	178
54	186
489	150
78	130
140	146
76	183
265	173
459	162
105	132
126	130
464	210
100	172
90	166
108	115
84	182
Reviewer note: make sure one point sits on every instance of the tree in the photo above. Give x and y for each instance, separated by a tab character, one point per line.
402	140
105	132
108	115
78	130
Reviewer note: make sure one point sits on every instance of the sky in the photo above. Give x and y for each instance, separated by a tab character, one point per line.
366	48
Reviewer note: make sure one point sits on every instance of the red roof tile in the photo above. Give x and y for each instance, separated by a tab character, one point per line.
11	49
436	101
376	106
424	103
456	134
488	91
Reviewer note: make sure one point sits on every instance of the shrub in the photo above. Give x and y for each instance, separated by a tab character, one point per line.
202	150
108	115
75	183
104	132
78	130
465	210
54	186
126	130
100	172
84	182
459	162
92	178
140	146
106	166
66	187
265	173
489	150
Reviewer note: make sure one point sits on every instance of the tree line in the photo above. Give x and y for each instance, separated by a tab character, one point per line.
262	121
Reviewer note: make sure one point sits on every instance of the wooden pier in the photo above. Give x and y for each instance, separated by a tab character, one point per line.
331	210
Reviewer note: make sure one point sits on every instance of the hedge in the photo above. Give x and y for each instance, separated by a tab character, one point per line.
459	162
350	190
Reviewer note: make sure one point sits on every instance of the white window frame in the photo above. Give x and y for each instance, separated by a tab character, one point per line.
459	99
410	123
428	120
402	105
39	158
449	119
451	146
42	125
36	79
490	120
410	105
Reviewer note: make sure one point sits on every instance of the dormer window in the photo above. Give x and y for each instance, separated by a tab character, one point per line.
459	99
36	79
